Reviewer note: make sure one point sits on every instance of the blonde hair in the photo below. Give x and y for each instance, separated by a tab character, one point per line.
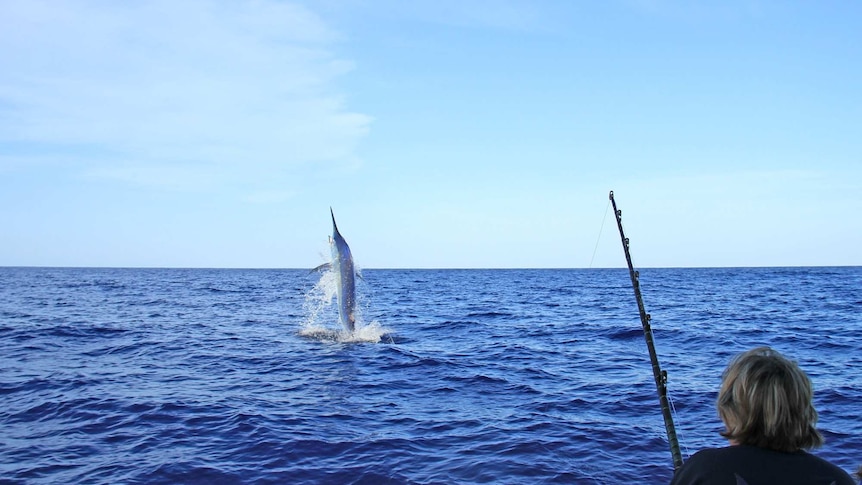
766	400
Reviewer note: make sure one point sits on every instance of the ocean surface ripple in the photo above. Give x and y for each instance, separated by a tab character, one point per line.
454	376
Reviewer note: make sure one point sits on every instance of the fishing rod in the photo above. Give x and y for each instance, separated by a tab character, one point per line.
659	375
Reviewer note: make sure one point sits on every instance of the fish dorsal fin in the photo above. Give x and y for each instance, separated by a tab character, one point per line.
322	267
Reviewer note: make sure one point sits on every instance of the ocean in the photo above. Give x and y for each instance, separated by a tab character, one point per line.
453	376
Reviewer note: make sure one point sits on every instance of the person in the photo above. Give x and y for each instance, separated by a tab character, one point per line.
765	402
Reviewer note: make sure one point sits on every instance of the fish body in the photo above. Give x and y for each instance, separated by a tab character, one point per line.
342	266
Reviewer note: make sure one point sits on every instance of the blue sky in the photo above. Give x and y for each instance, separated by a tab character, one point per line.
458	134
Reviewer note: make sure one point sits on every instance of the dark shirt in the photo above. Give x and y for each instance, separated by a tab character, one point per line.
751	465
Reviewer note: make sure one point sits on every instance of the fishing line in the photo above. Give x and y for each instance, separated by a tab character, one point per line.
679	434
604	218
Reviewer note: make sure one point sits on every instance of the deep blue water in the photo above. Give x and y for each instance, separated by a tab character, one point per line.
457	376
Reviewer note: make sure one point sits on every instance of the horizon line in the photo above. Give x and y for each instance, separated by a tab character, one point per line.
429	268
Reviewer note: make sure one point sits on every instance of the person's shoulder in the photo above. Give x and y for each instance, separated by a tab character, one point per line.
712	455
730	463
708	465
718	465
841	476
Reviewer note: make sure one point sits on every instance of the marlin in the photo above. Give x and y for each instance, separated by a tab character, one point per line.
342	265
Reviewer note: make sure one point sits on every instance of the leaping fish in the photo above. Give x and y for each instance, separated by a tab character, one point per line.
342	266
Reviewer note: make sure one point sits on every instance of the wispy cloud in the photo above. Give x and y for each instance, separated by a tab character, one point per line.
162	92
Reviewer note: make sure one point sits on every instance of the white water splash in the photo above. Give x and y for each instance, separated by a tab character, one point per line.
322	321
